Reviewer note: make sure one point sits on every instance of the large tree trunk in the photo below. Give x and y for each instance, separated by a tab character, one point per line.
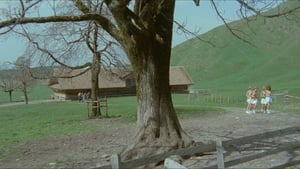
149	50
159	128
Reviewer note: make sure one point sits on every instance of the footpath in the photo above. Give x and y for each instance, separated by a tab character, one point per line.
30	102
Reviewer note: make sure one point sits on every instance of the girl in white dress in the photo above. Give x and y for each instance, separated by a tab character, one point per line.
248	99
268	98
263	100
253	101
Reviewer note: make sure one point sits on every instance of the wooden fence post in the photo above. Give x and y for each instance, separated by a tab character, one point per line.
115	161
220	158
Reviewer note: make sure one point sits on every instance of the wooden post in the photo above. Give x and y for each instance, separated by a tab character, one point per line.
220	158
103	104
115	161
88	109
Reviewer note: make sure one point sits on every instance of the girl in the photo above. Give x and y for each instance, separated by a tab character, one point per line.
268	99
263	100
253	101
248	97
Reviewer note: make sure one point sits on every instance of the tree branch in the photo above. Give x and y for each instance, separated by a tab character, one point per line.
69	75
108	26
258	12
227	25
43	50
186	31
104	22
85	17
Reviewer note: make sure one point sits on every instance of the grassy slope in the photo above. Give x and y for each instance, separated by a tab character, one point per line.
272	59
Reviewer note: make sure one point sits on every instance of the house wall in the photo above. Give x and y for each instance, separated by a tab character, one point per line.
128	91
59	96
108	92
179	89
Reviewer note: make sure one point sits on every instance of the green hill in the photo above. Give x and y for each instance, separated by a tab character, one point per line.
272	57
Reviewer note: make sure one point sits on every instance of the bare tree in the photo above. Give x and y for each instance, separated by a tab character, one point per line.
8	82
144	29
82	46
92	37
23	75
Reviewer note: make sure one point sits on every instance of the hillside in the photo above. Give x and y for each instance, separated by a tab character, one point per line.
271	58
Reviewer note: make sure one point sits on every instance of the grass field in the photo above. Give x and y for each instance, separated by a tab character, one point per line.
20	123
24	122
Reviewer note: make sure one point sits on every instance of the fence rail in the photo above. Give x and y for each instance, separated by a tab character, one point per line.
97	105
228	145
214	98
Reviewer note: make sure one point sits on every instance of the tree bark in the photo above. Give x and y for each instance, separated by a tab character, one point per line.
10	95
95	70
158	127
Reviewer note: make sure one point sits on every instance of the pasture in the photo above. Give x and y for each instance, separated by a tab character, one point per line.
23	122
59	134
20	124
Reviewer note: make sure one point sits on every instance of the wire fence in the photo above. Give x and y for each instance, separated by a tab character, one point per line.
215	98
281	102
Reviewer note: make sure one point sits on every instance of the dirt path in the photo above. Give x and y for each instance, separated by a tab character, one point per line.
94	149
30	102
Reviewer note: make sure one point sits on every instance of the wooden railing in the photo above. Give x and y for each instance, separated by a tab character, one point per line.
228	145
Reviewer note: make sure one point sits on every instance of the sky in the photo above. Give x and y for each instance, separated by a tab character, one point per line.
201	18
196	18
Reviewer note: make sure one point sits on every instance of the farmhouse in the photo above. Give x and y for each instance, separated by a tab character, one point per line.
67	83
